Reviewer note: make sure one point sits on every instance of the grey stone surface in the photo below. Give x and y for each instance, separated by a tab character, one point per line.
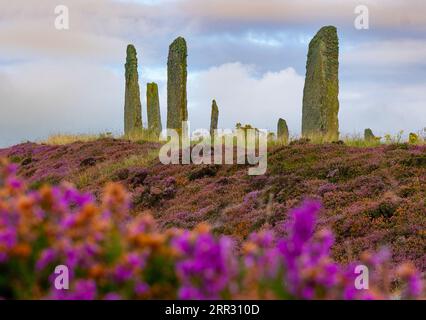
153	108
321	91
176	84
214	118
132	101
282	131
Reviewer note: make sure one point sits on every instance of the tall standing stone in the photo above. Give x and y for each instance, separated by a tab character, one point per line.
132	101
153	108
282	131
176	84
320	95
214	118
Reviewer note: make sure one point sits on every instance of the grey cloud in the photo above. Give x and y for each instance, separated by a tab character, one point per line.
49	78
392	13
42	99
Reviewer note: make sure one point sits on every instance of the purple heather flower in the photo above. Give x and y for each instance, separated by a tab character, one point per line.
84	290
14	183
190	293
72	256
123	273
112	296
46	257
8	236
11	169
141	288
207	266
414	286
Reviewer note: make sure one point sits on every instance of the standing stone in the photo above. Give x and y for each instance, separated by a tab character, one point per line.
369	135
413	138
153	108
132	101
320	95
214	118
176	84
282	131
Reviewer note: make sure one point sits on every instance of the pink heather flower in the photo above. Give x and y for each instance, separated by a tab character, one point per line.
112	296
206	268
72	257
14	183
414	286
413	281
123	273
84	290
307	256
141	288
302	224
8	236
46	257
190	293
126	270
265	257
11	169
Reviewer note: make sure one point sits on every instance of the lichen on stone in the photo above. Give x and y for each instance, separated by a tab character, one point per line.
214	118
282	131
369	135
132	101
320	94
153	109
176	84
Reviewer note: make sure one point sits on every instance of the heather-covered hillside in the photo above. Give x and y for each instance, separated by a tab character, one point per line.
372	197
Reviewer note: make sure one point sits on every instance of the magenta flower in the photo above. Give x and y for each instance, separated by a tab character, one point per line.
206	268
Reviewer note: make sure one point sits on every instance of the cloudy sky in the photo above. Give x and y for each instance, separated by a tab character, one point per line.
249	55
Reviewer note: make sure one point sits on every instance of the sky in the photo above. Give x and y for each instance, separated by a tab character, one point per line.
249	55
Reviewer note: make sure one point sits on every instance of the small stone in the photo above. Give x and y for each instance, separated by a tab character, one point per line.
369	135
413	138
282	131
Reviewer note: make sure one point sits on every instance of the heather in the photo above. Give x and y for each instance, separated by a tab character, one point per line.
372	197
114	255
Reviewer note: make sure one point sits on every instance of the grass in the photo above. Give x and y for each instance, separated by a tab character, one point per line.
63	139
144	135
104	172
360	142
357	140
